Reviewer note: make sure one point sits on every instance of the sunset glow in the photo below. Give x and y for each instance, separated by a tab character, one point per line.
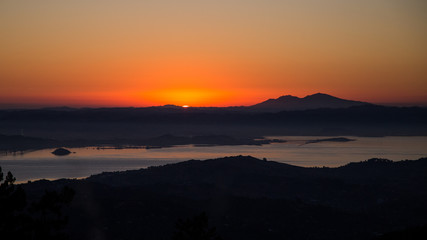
210	53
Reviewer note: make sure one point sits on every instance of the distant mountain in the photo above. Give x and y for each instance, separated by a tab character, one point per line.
318	100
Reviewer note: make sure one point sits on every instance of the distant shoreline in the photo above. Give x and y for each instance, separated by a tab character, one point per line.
19	145
16	144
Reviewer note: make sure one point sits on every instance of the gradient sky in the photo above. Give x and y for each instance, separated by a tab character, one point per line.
210	52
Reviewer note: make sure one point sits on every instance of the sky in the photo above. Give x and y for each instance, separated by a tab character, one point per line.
210	52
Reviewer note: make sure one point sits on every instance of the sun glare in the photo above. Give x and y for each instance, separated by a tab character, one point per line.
185	97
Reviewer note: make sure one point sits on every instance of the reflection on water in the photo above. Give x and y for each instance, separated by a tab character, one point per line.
86	161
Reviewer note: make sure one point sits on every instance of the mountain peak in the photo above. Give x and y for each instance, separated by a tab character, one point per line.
287	97
321	96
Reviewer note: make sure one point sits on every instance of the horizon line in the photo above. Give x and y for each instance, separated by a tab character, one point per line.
7	106
22	106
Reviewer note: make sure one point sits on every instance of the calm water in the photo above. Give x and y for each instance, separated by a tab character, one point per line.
86	161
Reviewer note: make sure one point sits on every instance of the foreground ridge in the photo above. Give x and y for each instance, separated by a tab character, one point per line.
249	198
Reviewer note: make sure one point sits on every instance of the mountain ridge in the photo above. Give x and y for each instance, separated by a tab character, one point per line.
314	101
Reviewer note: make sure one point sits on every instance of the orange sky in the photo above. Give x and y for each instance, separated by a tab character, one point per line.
210	53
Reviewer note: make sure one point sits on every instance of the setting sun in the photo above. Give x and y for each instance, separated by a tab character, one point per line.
185	97
185	106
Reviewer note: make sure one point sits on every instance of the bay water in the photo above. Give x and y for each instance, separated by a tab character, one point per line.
83	162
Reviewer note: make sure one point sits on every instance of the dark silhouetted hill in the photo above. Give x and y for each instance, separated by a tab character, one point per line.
249	198
414	233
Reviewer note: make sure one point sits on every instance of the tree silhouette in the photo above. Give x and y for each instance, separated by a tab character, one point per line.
195	228
13	221
39	220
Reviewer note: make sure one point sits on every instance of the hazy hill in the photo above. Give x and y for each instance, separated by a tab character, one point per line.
20	143
329	116
318	100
